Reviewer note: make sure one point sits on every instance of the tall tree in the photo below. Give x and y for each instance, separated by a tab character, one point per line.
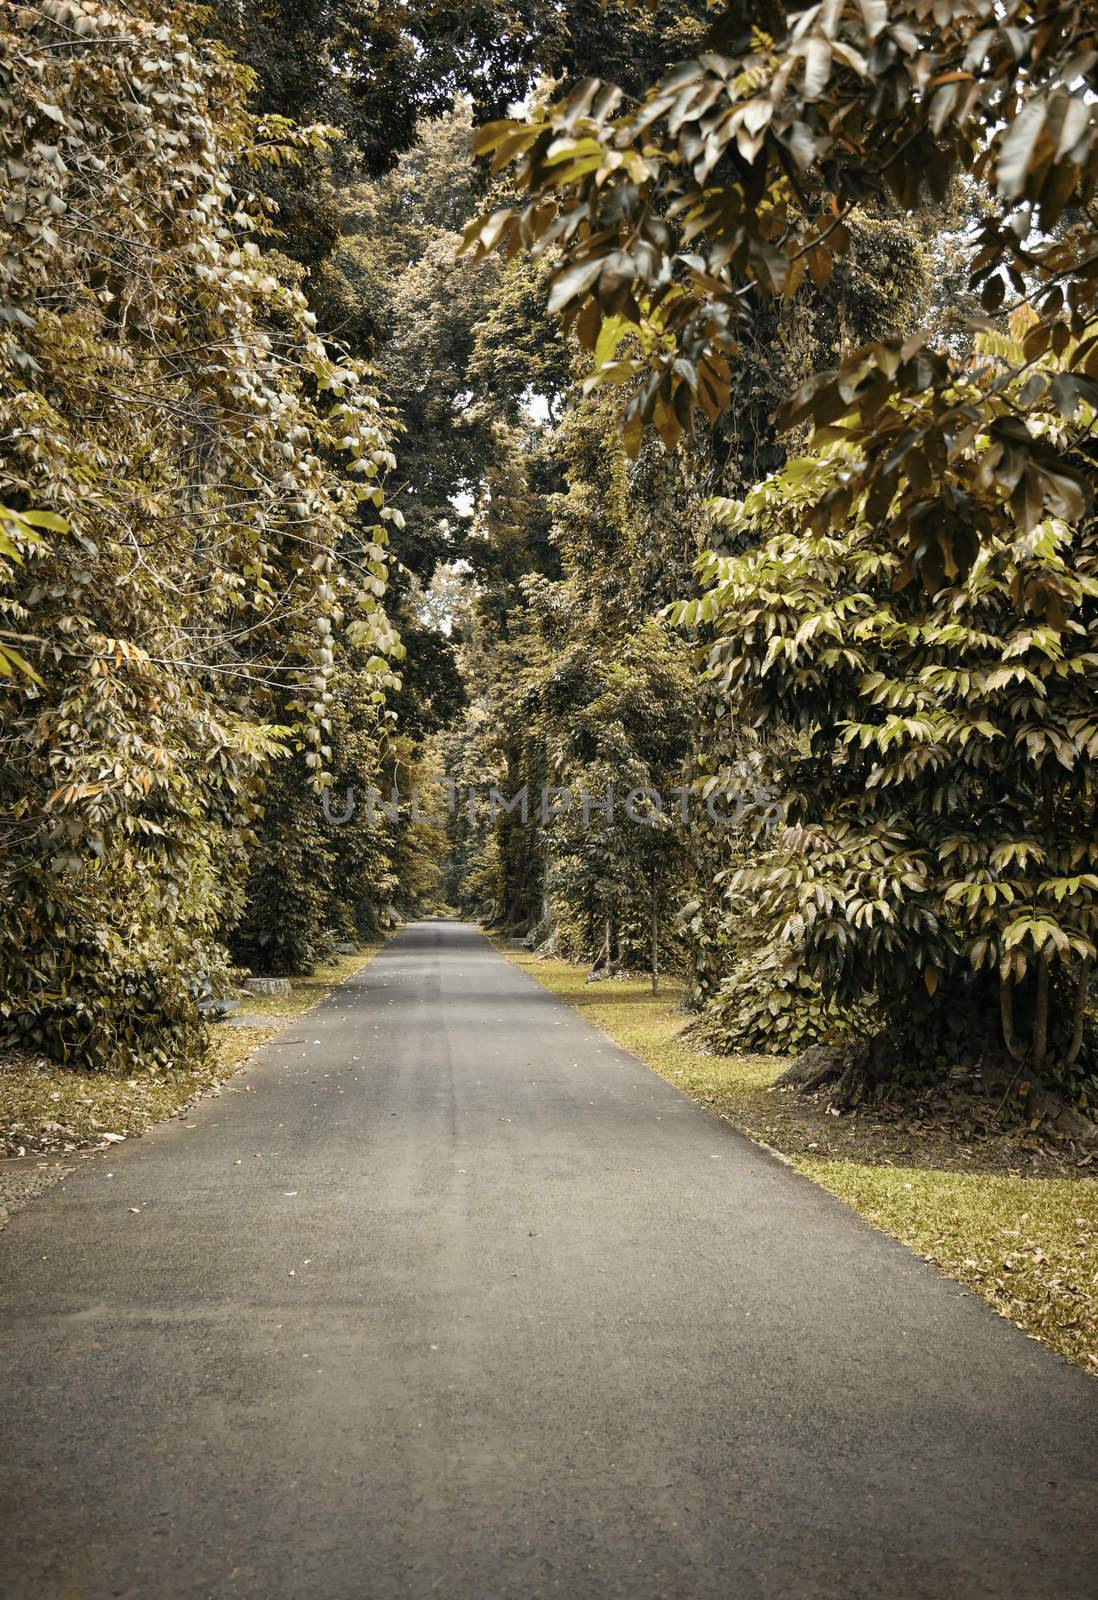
192	476
934	757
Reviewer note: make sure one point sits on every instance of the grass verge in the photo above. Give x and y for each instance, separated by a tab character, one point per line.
46	1108
1026	1243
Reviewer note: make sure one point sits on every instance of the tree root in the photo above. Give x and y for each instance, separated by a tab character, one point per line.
858	1071
813	1067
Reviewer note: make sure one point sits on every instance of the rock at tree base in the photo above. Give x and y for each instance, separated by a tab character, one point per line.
1060	1118
218	1009
268	986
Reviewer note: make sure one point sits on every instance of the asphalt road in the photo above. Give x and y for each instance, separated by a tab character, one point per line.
453	1298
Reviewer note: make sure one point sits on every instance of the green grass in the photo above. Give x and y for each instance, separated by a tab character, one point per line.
46	1107
1027	1245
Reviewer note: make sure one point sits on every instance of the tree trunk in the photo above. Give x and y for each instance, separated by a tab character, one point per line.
1079	1013
1040	1015
602	960
655	939
1006	1018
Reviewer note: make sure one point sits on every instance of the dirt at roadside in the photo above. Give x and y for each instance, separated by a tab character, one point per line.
23	1177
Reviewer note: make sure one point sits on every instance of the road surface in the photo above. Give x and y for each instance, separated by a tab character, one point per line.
453	1298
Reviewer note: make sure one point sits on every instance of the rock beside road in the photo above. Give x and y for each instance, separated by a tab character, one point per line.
256	985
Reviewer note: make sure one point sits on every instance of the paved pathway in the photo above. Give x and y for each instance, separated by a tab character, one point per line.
453	1298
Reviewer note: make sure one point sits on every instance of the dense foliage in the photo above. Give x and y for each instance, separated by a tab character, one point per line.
898	622
193	464
934	753
732	183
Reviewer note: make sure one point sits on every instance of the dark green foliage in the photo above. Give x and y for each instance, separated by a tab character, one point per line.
375	71
577	687
311	879
432	692
285	926
766	1002
378	72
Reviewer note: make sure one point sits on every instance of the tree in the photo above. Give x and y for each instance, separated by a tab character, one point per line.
619	751
321	869
190	473
577	688
735	180
380	72
934	753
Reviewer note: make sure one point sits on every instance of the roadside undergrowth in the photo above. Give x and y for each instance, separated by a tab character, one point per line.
1015	1223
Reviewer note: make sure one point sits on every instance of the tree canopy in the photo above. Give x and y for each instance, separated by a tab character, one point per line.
735	179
